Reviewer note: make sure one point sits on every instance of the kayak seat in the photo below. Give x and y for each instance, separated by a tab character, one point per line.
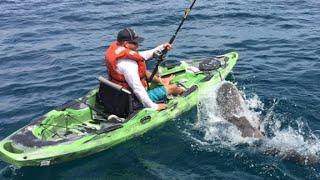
116	100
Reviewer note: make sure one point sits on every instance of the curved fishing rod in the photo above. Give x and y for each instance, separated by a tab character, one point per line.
162	54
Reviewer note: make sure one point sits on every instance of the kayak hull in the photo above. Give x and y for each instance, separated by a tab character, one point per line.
37	145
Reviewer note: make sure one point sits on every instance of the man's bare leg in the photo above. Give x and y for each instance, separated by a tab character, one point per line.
172	89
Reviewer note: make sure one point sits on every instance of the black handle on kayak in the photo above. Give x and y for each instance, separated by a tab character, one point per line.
165	51
113	85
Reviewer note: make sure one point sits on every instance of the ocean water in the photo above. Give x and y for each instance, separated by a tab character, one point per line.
52	51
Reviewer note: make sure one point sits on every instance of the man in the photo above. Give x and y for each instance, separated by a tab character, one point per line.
126	67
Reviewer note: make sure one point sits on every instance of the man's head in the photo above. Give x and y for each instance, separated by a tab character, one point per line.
129	38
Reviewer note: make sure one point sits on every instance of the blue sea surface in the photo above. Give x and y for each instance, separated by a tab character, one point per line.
52	51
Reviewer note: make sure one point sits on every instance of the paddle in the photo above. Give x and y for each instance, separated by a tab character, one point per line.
160	56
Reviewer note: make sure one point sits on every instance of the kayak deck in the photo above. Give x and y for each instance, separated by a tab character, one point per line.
76	129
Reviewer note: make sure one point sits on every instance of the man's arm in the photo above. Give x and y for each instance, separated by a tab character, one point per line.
149	53
129	69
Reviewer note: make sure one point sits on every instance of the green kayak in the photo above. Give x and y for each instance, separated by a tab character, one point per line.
80	128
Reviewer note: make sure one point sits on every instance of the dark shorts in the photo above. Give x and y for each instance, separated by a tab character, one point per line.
157	94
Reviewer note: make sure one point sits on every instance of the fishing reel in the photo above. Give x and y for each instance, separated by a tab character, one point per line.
160	55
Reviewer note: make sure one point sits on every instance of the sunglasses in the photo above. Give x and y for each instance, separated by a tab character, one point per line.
134	43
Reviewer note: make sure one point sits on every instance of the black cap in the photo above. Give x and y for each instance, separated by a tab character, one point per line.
128	34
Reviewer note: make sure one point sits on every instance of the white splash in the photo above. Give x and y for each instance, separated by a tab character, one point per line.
218	132
214	126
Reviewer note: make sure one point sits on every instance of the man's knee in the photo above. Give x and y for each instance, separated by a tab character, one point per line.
174	90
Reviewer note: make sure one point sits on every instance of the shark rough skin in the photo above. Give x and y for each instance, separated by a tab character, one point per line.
232	106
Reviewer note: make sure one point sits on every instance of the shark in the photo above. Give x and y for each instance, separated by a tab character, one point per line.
231	106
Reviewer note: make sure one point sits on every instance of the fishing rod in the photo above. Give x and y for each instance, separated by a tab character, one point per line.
162	54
